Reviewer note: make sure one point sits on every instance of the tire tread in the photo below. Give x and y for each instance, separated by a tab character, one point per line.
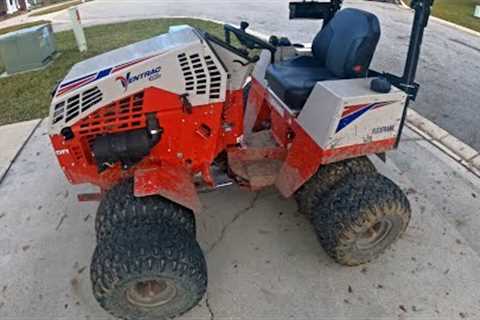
120	210
165	250
327	177
359	200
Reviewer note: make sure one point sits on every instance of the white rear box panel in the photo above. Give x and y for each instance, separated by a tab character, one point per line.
343	113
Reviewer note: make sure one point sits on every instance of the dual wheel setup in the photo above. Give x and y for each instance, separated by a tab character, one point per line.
149	265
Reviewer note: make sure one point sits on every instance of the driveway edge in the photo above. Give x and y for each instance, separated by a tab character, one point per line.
446	142
18	147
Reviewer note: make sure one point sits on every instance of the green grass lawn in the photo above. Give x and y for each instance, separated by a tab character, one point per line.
27	96
457	11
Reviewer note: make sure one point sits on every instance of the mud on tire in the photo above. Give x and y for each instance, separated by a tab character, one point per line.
327	177
120	210
361	218
149	273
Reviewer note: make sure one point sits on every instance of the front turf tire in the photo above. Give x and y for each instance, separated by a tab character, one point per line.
149	273
120	210
361	218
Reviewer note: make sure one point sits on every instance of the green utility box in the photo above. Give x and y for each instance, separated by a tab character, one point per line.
27	49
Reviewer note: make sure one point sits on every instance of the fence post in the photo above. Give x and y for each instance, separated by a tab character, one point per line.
78	29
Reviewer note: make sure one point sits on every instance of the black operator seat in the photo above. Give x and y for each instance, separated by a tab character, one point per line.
341	50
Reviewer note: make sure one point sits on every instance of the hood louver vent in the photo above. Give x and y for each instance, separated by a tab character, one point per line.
201	75
215	78
74	106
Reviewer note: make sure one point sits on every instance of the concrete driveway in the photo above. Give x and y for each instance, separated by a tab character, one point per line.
263	258
449	70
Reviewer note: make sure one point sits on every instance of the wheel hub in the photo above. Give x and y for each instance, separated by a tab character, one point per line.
151	293
374	235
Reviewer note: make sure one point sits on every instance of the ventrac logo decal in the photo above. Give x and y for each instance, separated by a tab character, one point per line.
384	129
152	74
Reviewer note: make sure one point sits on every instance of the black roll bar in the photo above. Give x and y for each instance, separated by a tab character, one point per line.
422	13
407	81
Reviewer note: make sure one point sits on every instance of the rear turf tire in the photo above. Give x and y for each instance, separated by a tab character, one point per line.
120	210
361	218
149	273
327	177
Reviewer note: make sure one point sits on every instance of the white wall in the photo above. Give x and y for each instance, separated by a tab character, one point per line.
13	5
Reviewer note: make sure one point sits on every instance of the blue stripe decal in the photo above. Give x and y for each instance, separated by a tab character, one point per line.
103	73
352	117
76	80
345	121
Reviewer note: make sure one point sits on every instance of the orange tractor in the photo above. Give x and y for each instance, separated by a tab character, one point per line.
153	123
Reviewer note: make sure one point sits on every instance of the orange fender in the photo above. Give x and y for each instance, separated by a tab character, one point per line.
303	160
171	182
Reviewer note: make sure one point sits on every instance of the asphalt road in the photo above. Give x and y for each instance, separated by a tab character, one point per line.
449	70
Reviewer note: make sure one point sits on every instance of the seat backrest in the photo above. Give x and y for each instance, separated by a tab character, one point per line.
346	45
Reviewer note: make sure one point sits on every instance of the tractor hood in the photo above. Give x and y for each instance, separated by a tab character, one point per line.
167	62
177	36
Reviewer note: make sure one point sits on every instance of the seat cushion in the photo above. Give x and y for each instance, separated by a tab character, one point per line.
293	80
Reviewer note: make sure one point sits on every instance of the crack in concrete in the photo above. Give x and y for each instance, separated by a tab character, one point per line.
209	307
235	218
61	222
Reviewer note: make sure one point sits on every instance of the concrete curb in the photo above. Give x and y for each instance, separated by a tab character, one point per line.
457	26
445	22
443	140
404	5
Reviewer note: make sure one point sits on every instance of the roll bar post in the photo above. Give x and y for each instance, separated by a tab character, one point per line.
407	81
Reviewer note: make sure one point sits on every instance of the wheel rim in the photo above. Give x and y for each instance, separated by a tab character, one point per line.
374	235
151	293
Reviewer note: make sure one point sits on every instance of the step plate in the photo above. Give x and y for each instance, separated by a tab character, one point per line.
262	173
256	167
